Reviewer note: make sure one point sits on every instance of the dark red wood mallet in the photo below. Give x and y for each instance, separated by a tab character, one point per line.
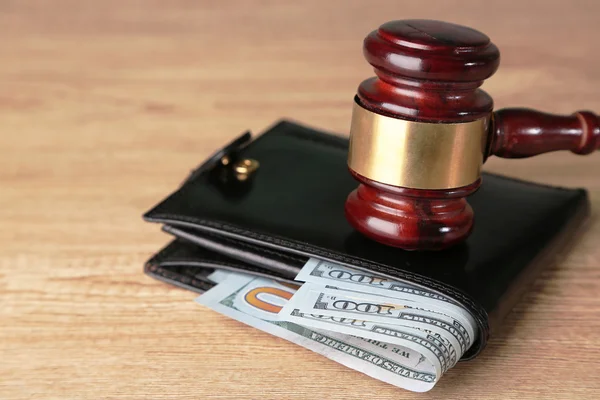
422	128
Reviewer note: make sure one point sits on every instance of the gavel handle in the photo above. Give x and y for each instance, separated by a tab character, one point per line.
522	132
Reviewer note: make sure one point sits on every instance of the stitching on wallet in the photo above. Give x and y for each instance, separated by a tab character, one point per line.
156	262
215	263
264	272
256	248
183	279
165	252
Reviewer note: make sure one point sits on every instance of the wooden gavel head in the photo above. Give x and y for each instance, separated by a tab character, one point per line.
421	130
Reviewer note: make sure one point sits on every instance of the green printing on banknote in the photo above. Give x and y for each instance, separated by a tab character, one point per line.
339	345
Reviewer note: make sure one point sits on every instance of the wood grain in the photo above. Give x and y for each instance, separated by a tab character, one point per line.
105	107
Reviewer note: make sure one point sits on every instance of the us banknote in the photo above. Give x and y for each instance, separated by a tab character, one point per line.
343	299
392	331
400	295
314	299
327	273
257	302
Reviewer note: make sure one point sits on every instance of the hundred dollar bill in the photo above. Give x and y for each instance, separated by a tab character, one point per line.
454	315
314	299
330	274
326	273
395	334
464	324
257	301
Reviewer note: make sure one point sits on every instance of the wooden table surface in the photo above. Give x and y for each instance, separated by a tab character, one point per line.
106	106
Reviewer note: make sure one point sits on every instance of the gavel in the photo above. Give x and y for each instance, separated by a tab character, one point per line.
422	129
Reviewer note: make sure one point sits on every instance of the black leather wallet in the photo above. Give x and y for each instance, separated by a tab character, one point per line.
291	208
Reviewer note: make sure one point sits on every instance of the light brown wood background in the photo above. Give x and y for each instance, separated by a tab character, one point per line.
106	105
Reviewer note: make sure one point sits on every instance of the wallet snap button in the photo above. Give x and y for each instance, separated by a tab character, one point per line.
244	168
